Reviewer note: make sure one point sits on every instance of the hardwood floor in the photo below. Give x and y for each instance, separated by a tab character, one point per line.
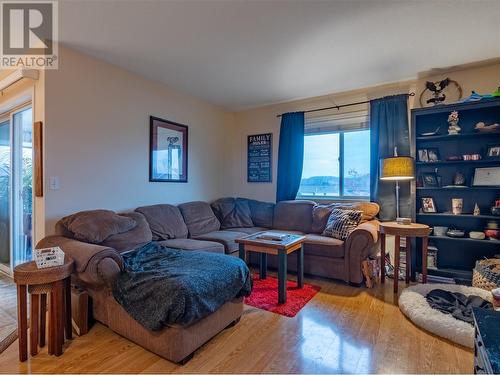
8	311
342	329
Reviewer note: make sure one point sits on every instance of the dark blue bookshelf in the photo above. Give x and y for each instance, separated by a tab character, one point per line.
456	256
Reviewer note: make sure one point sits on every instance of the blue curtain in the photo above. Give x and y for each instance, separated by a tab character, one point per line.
389	128
290	155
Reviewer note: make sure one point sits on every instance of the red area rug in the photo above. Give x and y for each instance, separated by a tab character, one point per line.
265	296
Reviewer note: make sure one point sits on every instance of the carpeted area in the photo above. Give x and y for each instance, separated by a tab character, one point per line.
265	296
414	305
8	312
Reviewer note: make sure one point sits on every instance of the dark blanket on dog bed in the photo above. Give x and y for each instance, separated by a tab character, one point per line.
456	304
160	286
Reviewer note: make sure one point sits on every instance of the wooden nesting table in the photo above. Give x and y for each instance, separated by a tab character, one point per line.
291	243
56	283
408	231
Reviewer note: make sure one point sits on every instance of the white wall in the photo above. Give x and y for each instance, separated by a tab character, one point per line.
97	139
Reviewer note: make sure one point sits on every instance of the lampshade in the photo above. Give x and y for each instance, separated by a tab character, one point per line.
397	168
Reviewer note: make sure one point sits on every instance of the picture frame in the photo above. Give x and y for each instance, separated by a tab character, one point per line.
428	205
433	155
423	156
430	179
486	176
259	157
168	151
428	155
492	152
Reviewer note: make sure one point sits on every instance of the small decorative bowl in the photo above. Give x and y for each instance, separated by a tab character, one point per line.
492	234
457	233
440	231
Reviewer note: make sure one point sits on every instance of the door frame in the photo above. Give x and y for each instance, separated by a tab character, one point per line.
8	115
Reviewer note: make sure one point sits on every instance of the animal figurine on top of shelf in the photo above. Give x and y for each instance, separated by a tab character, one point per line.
453	128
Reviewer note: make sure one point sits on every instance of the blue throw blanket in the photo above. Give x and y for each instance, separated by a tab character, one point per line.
160	286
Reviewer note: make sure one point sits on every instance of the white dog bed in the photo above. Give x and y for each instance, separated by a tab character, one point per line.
413	304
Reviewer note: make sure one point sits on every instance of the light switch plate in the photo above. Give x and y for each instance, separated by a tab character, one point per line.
54	183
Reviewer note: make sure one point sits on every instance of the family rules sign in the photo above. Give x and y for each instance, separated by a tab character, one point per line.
260	153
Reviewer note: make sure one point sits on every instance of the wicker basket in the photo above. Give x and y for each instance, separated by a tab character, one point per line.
486	274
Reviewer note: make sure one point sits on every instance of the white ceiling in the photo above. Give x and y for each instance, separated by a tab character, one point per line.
241	54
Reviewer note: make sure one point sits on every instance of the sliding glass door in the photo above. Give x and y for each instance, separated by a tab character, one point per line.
16	175
5	184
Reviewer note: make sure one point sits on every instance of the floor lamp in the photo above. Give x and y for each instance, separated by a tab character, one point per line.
397	168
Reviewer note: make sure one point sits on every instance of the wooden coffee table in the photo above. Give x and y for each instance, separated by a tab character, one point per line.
281	248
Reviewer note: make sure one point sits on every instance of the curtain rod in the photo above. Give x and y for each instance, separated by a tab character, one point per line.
340	106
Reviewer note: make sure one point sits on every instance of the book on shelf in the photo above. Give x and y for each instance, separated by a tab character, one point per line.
433	279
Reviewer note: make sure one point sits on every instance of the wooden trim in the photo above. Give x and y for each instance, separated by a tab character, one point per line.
38	155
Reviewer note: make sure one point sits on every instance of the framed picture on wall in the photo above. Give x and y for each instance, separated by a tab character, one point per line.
168	151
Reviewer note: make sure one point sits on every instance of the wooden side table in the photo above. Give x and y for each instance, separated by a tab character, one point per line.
291	243
55	282
407	231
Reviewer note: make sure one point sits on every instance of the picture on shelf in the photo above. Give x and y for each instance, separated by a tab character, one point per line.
486	176
493	152
430	179
423	156
433	154
428	205
428	155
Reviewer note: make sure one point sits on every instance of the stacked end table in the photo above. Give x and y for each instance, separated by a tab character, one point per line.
54	282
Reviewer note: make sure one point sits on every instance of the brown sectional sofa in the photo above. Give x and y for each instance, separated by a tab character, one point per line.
201	226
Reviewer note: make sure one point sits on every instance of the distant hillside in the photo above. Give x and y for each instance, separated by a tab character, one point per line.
354	185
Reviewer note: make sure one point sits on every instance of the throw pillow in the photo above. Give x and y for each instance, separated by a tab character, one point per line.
341	223
96	225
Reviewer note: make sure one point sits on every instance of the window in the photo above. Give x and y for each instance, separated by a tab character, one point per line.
336	165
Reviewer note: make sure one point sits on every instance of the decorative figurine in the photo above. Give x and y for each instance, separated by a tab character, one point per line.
453	128
495	210
481	127
459	179
477	211
438	177
439	92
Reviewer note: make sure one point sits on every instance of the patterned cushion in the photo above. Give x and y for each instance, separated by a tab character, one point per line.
341	223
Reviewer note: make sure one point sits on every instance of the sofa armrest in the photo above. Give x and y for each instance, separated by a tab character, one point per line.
361	243
94	264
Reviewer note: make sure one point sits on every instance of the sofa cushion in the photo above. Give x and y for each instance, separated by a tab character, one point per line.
132	239
262	212
320	214
293	215
225	237
199	218
315	244
190	244
341	223
286	231
95	226
165	221
232	213
248	231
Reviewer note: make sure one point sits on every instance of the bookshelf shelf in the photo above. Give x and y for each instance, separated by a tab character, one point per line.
462	216
456	257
